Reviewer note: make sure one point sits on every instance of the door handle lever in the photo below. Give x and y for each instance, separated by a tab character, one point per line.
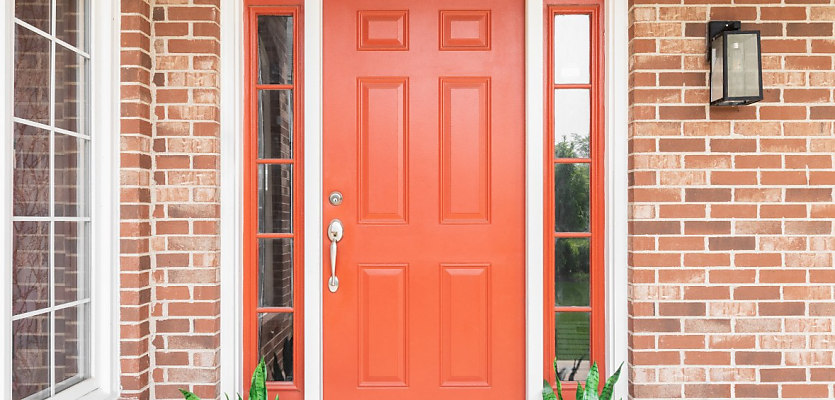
335	231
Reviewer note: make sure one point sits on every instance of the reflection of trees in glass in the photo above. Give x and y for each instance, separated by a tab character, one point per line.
571	259
571	186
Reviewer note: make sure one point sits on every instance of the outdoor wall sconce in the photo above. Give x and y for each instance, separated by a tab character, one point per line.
735	64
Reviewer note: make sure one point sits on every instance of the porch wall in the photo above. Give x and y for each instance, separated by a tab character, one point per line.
732	218
170	198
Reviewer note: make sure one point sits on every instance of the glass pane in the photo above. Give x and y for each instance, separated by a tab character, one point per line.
31	171
34	12
275	345
72	346
72	22
571	197
275	272
717	72
30	266
572	49
572	121
743	65
71	245
30	358
275	49
571	271
31	76
275	198
275	124
572	344
70	90
71	174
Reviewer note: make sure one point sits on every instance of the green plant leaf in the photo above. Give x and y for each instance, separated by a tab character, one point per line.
581	393
592	383
559	388
609	388
547	391
258	387
189	395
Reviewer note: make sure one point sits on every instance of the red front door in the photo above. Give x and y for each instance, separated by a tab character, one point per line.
424	138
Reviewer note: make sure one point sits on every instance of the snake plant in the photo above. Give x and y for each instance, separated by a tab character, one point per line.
589	392
257	389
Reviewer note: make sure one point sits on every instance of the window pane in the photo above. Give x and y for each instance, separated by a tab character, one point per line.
571	267
31	76
71	171
70	90
30	271
275	272
34	12
31	171
572	119
275	49
571	197
571	48
275	124
71	247
71	26
72	351
275	345
572	344
30	357
275	198
743	65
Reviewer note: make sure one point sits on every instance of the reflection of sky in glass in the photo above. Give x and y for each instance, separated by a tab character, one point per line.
571	48
571	121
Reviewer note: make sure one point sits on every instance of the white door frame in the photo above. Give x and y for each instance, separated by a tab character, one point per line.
231	121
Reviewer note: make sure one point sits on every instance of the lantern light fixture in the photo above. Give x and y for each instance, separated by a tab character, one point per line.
735	60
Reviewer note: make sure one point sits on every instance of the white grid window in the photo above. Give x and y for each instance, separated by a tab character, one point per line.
50	274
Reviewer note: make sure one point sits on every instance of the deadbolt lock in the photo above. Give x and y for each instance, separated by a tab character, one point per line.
335	198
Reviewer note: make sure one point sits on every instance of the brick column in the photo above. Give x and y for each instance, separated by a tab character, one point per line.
731	231
135	199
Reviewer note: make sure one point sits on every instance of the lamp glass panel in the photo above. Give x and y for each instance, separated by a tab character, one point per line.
743	65
717	56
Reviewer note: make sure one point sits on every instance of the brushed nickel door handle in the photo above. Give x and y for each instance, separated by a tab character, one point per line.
335	231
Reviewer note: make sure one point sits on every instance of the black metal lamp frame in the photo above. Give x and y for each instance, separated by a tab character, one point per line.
724	28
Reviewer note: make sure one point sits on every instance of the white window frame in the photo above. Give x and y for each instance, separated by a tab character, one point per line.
104	197
616	121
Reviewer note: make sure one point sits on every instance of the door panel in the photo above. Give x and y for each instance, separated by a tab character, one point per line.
424	137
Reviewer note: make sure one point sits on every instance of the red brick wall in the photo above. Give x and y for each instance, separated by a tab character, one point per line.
170	198
731	227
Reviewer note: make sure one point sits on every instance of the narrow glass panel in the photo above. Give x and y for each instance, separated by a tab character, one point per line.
571	197
31	171
743	65
572	49
31	75
71	171
275	124
275	272
275	198
275	49
71	244
573	345
571	271
70	90
717	72
30	266
30	358
71	25
275	345
572	121
72	351
35	13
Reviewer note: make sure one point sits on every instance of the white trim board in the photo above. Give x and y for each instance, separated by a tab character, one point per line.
232	217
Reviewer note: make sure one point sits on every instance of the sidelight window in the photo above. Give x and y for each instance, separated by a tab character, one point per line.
273	205
574	268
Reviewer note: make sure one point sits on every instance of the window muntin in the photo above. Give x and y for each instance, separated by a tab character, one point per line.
273	199
50	274
574	269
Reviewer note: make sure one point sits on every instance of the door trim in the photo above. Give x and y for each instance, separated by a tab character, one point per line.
231	210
